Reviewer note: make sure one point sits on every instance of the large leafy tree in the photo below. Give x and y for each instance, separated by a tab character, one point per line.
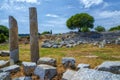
82	22
100	29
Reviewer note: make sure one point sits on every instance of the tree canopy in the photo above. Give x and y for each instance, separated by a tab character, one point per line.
99	29
115	28
4	33
82	22
4	30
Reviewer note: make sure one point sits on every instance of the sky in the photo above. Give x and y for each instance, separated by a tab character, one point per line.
52	14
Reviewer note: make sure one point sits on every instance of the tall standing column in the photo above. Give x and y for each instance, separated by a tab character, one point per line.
13	40
34	44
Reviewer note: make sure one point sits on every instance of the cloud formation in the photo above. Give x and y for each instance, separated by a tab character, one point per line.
27	1
89	3
109	14
52	15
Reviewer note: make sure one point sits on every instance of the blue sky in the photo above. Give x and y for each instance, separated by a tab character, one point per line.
52	14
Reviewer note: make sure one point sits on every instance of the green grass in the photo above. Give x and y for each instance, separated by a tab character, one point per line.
4	47
79	53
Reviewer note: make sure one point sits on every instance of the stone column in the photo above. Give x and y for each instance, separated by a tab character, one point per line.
13	40
34	44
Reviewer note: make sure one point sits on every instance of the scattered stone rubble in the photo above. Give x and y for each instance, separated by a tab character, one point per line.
110	66
4	53
83	66
45	72
91	74
23	78
5	76
28	68
11	69
47	60
73	39
68	62
4	63
68	74
109	70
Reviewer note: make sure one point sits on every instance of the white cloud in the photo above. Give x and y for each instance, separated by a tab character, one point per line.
89	3
109	14
27	1
46	25
18	4
52	15
58	21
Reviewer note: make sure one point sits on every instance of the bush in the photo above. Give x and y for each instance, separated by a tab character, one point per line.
46	32
100	29
4	33
4	30
2	38
115	28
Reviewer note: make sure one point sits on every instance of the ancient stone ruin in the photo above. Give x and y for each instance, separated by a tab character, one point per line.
34	45
13	40
45	67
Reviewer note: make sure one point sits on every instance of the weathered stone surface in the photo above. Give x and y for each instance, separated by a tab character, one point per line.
55	46
4	53
101	45
104	42
5	76
76	38
111	66
4	63
90	74
11	69
68	75
47	60
13	39
23	78
46	45
28	68
69	46
34	44
95	43
117	41
83	66
45	72
68	62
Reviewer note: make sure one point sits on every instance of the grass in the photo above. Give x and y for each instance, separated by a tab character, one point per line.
80	53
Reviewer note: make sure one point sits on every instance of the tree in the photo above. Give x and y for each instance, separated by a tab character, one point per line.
2	38
4	30
82	22
115	28
46	32
100	29
4	33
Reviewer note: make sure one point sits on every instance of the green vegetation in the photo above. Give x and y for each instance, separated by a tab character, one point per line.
80	53
82	22
46	32
100	29
4	33
115	28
